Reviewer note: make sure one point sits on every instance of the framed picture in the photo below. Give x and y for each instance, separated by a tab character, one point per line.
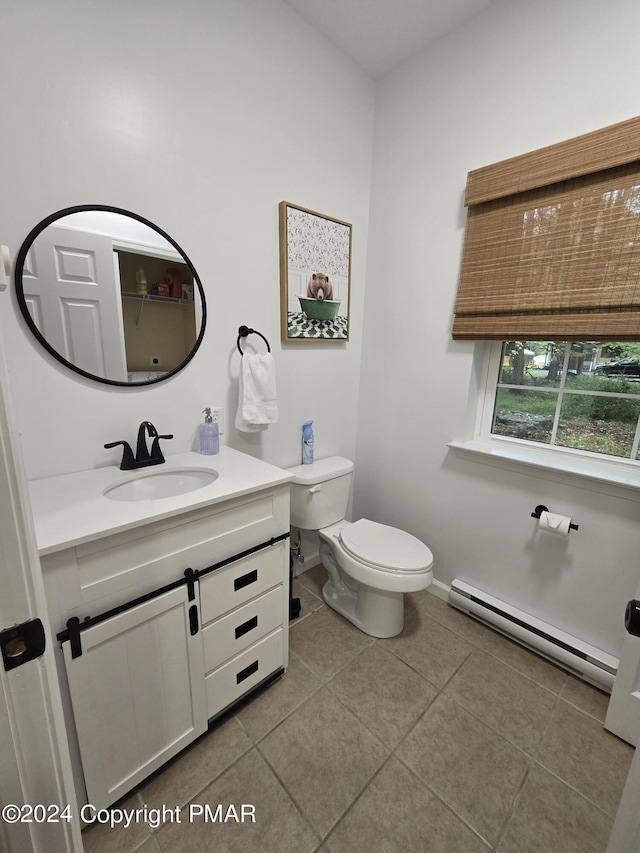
315	275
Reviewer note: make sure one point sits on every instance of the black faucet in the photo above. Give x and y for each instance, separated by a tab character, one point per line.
143	458
128	462
142	452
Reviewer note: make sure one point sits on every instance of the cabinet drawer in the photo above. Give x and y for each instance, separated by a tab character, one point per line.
230	635
118	567
236	677
229	587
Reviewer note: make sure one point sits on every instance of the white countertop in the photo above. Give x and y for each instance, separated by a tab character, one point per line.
71	508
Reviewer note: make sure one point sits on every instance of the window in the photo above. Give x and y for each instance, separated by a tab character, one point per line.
580	395
551	265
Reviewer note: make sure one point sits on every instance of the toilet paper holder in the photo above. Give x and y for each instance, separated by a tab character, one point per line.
541	508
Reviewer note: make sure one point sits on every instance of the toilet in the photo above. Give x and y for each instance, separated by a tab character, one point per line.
370	565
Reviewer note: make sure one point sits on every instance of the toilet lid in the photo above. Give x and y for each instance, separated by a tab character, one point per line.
385	547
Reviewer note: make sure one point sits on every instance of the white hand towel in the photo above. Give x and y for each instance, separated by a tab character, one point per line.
257	401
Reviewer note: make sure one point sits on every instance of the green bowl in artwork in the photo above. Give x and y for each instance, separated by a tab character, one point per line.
315	310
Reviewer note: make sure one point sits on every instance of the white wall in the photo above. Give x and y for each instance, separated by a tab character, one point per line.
518	77
200	116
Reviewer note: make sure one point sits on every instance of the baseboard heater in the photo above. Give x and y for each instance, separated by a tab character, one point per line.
579	658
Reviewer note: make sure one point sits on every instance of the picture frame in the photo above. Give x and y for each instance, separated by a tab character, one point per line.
315	275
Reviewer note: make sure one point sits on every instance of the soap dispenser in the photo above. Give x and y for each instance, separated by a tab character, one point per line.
209	437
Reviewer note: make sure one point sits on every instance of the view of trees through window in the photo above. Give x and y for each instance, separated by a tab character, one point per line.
583	395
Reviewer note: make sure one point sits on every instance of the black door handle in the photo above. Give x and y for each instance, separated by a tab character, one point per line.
22	643
632	617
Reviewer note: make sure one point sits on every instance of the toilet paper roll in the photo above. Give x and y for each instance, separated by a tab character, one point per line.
553	523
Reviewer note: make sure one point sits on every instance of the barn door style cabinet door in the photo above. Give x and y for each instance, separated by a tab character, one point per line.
137	688
162	628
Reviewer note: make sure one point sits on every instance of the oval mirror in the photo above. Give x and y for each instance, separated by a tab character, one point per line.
110	295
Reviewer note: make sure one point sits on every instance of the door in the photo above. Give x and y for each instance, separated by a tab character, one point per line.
623	719
74	299
625	836
623	714
34	761
137	691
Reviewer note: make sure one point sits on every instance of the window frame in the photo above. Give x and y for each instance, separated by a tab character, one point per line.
562	391
613	475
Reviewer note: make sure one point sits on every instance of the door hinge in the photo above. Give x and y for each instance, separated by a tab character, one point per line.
22	643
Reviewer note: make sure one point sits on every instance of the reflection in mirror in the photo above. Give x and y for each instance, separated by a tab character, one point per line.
110	295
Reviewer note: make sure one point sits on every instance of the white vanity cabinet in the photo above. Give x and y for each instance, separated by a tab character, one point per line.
166	649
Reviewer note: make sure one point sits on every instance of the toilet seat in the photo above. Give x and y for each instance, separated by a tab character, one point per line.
385	548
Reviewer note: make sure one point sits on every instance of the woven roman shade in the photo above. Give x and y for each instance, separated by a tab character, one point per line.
552	243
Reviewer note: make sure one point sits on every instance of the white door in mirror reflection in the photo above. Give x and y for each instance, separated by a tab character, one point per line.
72	293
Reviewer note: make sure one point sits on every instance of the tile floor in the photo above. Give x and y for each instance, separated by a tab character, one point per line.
446	738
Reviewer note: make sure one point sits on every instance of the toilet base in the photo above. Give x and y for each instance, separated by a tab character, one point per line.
375	612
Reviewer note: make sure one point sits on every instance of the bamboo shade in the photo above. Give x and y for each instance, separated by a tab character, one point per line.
560	261
610	146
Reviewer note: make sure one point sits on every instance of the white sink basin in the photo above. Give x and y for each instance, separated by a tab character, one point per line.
152	485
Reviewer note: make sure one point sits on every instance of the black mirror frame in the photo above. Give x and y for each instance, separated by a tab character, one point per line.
19	268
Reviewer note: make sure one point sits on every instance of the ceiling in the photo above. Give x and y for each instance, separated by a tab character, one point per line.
380	34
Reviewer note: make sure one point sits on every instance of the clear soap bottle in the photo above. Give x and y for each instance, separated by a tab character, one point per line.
209	436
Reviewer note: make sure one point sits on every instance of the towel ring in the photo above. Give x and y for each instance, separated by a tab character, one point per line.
243	331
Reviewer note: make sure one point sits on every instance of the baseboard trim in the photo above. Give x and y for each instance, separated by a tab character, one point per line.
439	589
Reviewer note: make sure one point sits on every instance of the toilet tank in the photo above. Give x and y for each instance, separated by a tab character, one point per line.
320	492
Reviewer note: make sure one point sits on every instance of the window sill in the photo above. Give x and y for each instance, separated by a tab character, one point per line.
603	475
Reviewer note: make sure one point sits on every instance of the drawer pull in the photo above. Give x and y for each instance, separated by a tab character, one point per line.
245	580
247	626
247	671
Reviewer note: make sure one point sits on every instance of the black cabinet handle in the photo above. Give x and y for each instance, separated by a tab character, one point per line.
247	626
193	619
245	580
245	673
